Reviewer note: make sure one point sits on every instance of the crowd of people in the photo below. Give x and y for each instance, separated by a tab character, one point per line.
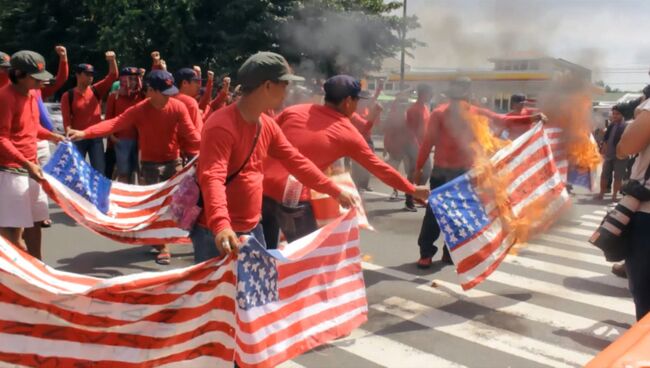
256	141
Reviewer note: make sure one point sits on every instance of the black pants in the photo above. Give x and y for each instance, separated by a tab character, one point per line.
637	263
430	230
294	222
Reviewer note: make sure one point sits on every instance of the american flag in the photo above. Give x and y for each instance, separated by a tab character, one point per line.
177	318
126	213
477	238
258	310
299	296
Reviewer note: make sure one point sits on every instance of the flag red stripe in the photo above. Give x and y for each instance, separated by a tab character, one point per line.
528	186
302	324
290	269
480	255
320	279
308	344
488	271
214	349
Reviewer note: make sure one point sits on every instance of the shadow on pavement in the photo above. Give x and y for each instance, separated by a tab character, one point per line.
593	286
62	218
107	264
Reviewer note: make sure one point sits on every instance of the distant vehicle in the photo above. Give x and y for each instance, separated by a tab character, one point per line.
54	109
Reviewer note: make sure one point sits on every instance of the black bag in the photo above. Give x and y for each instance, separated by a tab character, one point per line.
613	234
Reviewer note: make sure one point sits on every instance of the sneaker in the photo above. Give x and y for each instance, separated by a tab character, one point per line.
425	262
410	208
619	270
394	196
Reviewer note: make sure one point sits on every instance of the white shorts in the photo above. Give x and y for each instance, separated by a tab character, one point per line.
22	201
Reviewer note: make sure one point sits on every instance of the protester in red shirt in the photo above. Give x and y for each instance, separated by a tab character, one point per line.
84	110
417	118
364	124
517	108
126	140
189	84
451	134
220	101
23	201
4	69
235	142
162	124
323	134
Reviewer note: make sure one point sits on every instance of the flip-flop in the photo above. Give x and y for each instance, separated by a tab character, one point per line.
164	258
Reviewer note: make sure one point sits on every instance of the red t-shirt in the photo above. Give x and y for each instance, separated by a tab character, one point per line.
515	129
227	141
417	117
324	135
160	131
20	127
453	139
86	108
4	79
115	106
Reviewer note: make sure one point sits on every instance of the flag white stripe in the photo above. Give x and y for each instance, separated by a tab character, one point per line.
19	344
34	316
305	313
252	314
491	232
479	269
295	278
283	345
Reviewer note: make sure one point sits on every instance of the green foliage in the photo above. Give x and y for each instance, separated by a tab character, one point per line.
330	36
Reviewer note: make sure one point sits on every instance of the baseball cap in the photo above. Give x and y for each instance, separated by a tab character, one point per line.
129	71
186	74
32	63
4	60
460	88
517	98
84	68
163	81
341	86
265	66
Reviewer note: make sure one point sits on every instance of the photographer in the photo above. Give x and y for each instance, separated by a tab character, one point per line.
636	139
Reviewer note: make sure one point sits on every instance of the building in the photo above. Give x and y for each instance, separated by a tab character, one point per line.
490	86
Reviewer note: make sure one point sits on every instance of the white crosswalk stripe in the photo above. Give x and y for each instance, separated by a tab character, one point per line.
428	299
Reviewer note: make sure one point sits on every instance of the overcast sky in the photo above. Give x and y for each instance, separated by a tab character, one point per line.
610	37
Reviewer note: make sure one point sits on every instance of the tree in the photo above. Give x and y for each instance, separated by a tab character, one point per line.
324	36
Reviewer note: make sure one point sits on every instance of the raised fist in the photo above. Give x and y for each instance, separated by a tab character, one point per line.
61	51
110	55
155	56
210	75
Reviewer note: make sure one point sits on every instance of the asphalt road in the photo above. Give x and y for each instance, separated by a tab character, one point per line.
555	303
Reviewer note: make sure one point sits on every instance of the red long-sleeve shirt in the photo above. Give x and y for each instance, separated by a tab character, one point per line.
4	79
417	117
227	141
207	95
19	127
60	79
453	139
193	108
216	104
159	130
324	135
86	108
363	126
115	106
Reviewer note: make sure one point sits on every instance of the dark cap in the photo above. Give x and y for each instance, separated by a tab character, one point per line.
31	63
618	108
341	86
517	98
265	66
4	60
460	88
129	71
186	74
84	68
163	81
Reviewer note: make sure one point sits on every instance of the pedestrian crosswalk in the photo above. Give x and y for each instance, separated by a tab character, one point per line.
552	303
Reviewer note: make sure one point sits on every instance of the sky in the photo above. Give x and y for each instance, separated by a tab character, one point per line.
610	37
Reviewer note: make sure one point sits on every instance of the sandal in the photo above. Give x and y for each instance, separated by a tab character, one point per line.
164	258
46	223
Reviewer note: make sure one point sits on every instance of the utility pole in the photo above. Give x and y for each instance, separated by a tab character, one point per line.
402	61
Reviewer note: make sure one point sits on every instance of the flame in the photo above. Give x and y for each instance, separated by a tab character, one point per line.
567	104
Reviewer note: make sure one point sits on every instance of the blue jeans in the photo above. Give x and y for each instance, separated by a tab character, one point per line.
95	150
637	263
204	246
126	156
